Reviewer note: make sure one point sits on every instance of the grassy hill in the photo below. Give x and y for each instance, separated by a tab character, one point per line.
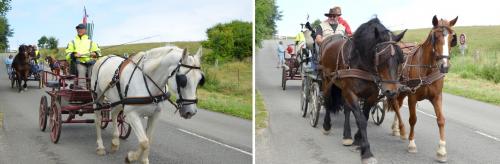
477	73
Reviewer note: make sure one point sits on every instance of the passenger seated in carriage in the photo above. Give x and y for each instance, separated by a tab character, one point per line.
81	53
331	29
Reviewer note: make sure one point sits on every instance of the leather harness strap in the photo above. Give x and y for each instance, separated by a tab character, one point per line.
354	73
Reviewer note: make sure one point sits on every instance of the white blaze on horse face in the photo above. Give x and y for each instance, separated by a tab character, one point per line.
446	52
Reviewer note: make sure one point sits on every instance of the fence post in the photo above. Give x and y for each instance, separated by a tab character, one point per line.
238	77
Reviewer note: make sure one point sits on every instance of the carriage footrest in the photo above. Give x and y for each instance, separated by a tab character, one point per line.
53	84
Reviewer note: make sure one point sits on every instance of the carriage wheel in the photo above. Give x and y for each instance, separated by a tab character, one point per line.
12	80
105	115
43	112
315	105
378	112
283	79
304	97
123	126
55	123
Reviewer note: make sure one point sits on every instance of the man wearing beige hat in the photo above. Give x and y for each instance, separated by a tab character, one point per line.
334	25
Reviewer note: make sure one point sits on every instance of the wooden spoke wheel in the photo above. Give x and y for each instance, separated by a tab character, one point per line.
314	105
55	122
283	78
123	126
105	118
43	112
378	112
304	99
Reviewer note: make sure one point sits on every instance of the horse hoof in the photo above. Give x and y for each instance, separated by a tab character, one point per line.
114	148
355	149
146	161
412	149
370	160
347	142
101	152
127	160
325	132
441	158
395	133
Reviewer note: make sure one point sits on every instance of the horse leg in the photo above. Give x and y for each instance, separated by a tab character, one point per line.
327	125
149	133
412	102
100	146
115	141
19	82
441	152
347	140
400	126
25	78
135	122
352	102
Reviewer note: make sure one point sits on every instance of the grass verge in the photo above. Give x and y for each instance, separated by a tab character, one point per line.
261	112
478	89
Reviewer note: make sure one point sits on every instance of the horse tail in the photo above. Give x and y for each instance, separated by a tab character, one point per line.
333	99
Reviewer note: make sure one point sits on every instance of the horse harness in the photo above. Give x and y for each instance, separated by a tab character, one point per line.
415	83
181	81
361	74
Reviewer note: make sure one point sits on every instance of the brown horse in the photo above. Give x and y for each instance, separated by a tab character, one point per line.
355	70
57	65
424	72
22	67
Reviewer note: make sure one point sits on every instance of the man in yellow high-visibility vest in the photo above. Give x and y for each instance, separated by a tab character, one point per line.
82	53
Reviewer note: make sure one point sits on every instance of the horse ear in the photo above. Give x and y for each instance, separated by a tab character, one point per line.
185	54
435	21
400	35
199	52
452	22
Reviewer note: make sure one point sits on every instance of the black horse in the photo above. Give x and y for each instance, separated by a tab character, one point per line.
373	59
22	66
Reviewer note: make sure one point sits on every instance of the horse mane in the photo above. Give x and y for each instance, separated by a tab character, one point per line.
365	38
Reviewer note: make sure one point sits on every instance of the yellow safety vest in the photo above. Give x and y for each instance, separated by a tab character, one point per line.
84	46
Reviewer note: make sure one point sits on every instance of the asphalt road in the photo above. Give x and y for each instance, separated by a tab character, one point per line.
207	137
472	128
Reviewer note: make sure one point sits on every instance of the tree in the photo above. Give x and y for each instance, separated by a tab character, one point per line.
43	42
52	43
229	41
266	15
316	24
5	30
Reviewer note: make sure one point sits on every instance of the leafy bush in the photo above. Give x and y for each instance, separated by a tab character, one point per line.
229	41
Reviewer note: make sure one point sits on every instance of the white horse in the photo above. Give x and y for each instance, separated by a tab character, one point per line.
157	67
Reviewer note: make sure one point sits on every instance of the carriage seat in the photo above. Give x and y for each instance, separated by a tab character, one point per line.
53	84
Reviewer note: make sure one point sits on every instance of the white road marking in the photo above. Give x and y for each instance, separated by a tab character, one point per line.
418	110
478	132
211	140
487	135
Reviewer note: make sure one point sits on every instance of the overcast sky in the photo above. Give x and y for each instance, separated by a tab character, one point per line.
123	21
394	14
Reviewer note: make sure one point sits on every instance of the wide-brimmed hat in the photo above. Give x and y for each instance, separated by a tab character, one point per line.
334	11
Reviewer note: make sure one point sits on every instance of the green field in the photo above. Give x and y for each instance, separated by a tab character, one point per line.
476	74
228	87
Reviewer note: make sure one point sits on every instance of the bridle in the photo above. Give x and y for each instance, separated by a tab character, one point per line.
387	46
181	81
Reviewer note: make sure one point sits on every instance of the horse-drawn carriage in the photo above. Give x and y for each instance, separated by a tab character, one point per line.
291	69
311	89
32	76
67	98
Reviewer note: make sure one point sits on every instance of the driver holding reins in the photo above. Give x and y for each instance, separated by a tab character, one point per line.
82	53
332	26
